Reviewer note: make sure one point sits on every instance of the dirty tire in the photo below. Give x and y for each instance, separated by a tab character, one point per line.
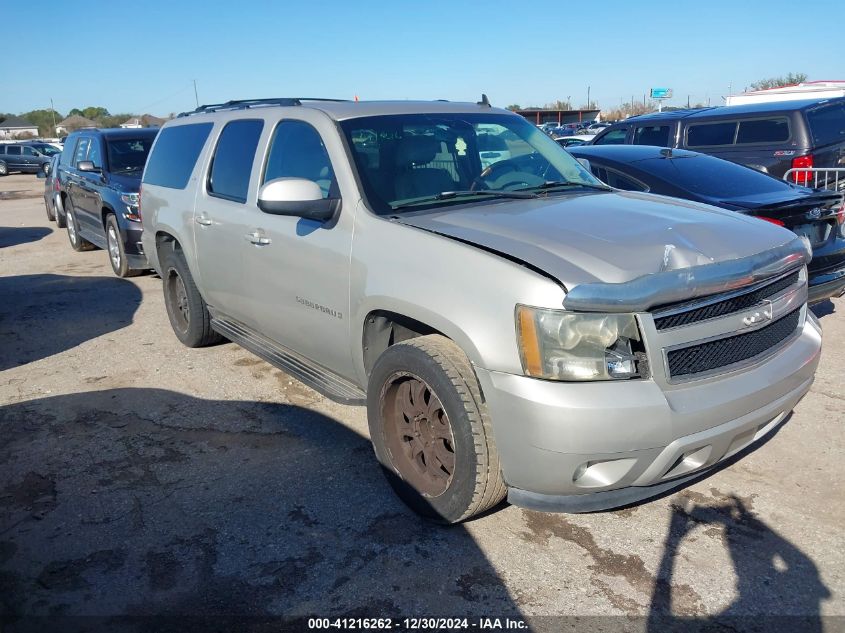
51	211
476	483
77	242
4	169
61	220
116	250
186	309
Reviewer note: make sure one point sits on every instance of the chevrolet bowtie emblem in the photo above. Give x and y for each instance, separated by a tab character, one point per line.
758	315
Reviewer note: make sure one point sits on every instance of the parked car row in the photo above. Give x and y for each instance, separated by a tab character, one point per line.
513	325
770	137
26	157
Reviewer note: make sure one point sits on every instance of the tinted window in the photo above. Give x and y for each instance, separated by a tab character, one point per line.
763	131
128	155
827	124
81	150
28	151
297	151
711	134
13	150
652	135
713	177
614	137
615	179
232	162
176	153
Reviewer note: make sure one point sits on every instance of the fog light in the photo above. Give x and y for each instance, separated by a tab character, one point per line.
620	365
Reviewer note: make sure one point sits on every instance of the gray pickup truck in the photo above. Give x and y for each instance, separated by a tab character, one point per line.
514	327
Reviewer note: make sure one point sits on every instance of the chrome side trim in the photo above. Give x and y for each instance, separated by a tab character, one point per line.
315	376
673	286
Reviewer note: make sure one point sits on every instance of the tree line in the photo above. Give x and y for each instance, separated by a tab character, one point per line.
47	119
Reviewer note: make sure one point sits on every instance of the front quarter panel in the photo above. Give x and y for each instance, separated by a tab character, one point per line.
464	292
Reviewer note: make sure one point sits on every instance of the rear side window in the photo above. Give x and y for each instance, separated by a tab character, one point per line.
652	135
705	134
614	137
827	124
175	154
763	131
232	162
13	150
616	180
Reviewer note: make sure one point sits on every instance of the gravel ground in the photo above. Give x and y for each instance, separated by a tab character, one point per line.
140	478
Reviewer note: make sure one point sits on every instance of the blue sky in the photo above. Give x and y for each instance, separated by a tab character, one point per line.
143	57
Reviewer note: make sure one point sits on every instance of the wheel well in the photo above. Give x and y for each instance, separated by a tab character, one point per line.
105	212
383	329
163	238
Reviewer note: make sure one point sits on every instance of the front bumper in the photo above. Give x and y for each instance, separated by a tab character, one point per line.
133	246
591	446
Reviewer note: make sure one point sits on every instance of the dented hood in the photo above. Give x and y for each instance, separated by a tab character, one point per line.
617	238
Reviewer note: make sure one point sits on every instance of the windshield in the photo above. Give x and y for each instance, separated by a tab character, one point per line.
47	150
408	161
712	177
128	155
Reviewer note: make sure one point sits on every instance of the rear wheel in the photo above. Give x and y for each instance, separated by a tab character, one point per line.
51	210
77	242
186	309
431	431
4	170
117	252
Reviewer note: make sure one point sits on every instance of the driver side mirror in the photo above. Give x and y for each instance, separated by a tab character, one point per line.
87	165
297	197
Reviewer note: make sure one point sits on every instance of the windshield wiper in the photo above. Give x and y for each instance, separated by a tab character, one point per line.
449	195
555	184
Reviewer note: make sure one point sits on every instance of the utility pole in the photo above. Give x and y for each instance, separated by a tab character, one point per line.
687	102
589	105
196	98
53	112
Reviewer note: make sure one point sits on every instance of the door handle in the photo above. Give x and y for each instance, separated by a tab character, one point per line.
204	220
257	238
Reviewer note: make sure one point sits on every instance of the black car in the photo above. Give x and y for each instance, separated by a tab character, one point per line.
99	178
52	193
770	137
22	157
814	213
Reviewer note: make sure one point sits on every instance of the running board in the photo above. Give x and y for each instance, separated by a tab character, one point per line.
318	378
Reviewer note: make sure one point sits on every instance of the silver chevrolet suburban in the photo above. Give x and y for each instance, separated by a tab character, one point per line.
514	326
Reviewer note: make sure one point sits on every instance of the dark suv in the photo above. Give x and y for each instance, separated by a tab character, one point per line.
22	157
770	137
99	178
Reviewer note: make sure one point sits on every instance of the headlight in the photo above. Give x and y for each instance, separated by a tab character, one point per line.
561	345
131	202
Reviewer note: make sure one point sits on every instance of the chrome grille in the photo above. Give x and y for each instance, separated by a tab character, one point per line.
705	357
727	306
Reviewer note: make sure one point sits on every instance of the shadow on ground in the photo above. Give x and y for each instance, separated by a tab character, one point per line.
142	502
42	315
823	308
14	236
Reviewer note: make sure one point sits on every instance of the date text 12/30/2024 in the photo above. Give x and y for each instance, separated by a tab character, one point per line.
417	624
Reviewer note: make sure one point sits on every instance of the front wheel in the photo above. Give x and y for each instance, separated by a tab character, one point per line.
117	252
186	309
4	169
51	210
431	431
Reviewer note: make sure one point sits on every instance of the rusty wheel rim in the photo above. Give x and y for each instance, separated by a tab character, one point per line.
418	434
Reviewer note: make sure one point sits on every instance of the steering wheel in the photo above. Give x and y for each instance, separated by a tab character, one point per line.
507	176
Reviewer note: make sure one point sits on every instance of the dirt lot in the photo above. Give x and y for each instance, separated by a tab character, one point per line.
139	477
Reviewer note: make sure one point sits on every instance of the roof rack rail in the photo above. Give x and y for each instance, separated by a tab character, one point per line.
243	104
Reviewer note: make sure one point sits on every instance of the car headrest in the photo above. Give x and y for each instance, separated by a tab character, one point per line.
416	150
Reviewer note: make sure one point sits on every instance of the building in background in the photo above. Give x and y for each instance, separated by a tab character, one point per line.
17	127
542	115
804	90
73	122
145	120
